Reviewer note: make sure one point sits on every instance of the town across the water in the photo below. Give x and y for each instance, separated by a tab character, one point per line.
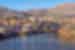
24	26
12	26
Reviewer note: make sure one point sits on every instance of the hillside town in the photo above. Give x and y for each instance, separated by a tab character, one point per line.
25	25
22	23
47	26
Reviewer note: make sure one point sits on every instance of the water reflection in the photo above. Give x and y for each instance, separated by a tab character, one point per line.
34	42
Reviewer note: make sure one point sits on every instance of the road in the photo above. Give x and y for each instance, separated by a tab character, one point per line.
35	42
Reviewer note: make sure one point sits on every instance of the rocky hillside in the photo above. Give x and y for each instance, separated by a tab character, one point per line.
66	9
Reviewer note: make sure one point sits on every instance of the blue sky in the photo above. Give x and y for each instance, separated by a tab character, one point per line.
29	4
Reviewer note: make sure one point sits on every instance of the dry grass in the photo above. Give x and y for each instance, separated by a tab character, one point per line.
67	35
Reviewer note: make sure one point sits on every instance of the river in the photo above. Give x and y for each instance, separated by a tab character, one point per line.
34	42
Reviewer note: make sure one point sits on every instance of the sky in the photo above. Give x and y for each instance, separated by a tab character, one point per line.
31	4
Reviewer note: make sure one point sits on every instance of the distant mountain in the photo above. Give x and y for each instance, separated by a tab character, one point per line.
38	12
66	9
7	12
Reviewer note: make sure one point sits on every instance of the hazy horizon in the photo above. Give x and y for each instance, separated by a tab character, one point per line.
32	4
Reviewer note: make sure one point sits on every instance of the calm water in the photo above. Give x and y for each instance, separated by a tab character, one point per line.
34	42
